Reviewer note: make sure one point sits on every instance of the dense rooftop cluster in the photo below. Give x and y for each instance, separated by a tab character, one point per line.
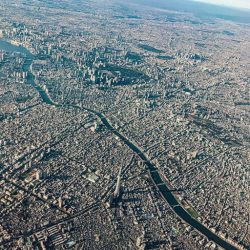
86	88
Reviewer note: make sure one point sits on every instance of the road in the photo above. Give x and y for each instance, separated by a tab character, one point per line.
155	175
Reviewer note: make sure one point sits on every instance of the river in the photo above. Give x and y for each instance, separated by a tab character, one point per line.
8	47
155	176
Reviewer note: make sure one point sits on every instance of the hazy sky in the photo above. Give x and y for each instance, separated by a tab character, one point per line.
245	4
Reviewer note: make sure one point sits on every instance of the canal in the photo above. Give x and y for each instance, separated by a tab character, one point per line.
155	176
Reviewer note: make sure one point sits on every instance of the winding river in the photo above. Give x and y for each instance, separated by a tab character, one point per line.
153	171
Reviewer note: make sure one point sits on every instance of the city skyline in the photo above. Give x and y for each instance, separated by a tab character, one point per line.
124	125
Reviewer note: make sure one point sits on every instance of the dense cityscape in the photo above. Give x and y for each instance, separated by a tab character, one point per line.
123	126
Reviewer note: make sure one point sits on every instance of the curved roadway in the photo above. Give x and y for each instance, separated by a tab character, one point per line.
155	176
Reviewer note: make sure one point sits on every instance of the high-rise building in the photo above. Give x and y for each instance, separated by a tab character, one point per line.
118	184
114	197
60	202
39	174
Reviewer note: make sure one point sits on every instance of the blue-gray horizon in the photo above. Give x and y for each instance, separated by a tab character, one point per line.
242	4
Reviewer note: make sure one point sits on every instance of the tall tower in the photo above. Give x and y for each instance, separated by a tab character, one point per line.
115	197
118	184
39	174
60	202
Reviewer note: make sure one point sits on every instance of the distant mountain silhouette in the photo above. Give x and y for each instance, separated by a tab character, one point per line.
199	9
